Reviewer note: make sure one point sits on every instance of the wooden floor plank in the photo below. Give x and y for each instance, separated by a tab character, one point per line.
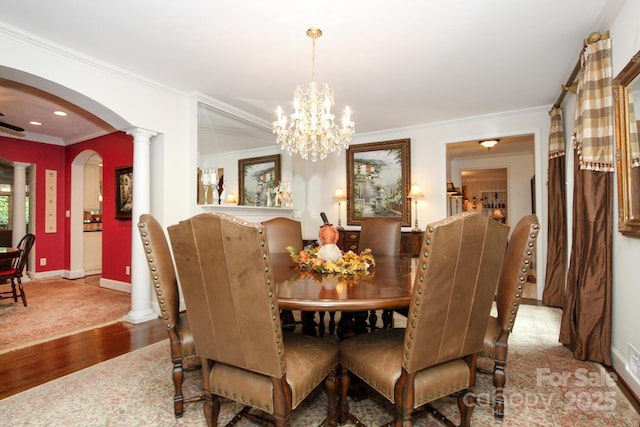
31	366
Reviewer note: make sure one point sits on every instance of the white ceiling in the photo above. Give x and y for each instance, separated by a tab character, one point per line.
395	65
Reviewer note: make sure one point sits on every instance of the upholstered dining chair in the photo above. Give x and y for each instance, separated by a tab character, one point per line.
225	271
281	233
435	356
382	236
13	273
513	277
165	285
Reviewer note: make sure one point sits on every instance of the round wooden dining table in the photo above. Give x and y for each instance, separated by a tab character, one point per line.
386	286
9	253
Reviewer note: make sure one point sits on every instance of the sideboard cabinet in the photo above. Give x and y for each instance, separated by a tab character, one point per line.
410	241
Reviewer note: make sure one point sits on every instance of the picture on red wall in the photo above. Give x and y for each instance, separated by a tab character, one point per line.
124	192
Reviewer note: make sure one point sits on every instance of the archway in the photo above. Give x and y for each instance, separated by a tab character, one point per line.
77	245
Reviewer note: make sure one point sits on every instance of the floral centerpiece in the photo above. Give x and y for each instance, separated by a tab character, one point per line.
349	264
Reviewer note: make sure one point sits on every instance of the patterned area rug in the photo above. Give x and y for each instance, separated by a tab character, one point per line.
546	386
57	308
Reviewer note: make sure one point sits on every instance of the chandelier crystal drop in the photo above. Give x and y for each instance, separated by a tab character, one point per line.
311	130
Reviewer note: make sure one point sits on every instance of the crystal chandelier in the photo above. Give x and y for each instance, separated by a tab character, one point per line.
311	131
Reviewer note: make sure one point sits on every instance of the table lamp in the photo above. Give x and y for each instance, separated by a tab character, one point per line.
340	196
415	194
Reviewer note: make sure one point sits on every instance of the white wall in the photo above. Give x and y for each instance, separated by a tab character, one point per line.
429	169
625	41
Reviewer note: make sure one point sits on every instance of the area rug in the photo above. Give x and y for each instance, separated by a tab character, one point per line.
56	308
546	386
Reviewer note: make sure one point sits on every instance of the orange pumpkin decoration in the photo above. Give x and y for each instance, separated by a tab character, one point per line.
329	235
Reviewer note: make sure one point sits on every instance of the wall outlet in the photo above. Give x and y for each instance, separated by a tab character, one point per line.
43	261
634	361
127	270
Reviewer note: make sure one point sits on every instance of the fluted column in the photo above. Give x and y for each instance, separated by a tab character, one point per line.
141	310
19	195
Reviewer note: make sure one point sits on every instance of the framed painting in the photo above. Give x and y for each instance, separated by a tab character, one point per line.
258	178
378	175
124	192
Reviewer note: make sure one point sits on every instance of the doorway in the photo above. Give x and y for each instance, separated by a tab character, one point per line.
498	178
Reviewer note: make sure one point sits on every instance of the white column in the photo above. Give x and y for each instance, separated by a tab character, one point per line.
18	215
141	310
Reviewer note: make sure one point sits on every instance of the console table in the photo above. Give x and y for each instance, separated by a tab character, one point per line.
410	241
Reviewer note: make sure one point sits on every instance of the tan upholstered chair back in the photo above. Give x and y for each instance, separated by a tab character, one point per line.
457	275
381	235
225	272
283	232
517	262
160	263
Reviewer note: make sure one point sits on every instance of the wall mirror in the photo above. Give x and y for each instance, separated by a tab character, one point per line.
626	87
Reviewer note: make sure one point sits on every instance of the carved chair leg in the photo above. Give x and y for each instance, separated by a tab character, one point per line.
178	398
13	290
330	384
499	377
22	295
499	380
343	405
387	319
373	320
332	323
211	409
466	404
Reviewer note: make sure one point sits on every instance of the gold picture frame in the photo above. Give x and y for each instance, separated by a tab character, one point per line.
378	181
258	177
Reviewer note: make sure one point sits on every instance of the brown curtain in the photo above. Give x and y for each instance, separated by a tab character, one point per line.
586	317
555	276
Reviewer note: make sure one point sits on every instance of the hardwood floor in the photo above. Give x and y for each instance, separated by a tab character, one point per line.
35	365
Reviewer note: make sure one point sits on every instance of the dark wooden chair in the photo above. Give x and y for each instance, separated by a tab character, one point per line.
435	356
13	273
513	277
382	236
227	280
165	285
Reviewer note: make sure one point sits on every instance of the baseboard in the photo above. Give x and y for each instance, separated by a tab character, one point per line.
628	381
46	274
72	274
115	285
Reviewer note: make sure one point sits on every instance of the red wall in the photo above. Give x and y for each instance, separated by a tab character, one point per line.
116	150
44	156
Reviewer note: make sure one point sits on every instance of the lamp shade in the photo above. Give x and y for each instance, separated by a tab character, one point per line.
339	194
451	189
415	192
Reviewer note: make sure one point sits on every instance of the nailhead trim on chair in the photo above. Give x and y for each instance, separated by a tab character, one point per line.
156	282
419	293
526	265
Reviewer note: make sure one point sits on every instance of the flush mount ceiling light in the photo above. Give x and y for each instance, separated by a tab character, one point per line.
489	143
311	131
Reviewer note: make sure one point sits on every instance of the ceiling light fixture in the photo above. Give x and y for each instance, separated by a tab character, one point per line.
60	113
312	132
489	143
33	122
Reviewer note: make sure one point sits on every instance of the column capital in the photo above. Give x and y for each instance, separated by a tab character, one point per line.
21	165
141	133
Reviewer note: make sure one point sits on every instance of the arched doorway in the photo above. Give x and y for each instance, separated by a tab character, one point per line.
84	246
